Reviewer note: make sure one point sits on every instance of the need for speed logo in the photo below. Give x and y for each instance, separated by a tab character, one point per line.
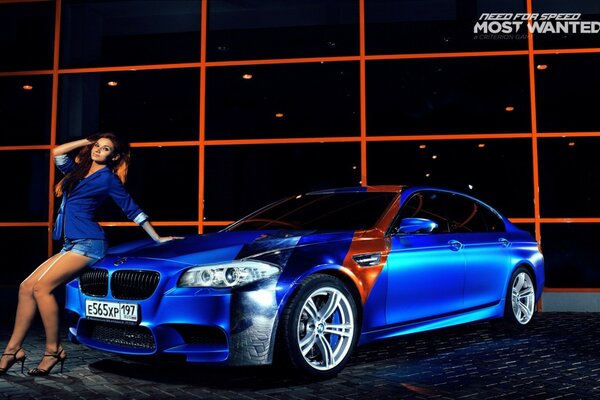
514	23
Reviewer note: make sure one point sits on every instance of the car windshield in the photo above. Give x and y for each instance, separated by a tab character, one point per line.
327	211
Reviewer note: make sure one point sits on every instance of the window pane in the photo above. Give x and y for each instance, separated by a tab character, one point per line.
141	106
163	182
241	179
258	29
301	100
499	173
464	215
326	211
567	92
212	228
124	234
427	204
26	178
571	255
569	171
425	26
103	33
589	10
25	107
26	36
448	95
19	264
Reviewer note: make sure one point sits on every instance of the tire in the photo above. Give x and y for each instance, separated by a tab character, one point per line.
520	299
319	327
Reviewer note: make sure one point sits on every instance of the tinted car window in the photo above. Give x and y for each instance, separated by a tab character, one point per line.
329	211
463	214
466	215
493	222
426	204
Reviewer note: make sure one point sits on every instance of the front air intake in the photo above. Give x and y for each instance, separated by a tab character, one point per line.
133	285
94	282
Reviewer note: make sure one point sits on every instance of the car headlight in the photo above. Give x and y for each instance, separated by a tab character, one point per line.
234	274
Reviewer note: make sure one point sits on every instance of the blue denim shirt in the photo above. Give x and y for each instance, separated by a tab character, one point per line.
79	207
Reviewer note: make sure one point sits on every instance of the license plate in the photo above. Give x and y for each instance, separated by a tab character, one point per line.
126	312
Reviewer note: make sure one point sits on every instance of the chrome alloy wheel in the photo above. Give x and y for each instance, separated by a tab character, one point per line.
523	298
325	328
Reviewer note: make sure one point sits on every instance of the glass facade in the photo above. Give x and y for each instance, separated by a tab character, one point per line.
232	105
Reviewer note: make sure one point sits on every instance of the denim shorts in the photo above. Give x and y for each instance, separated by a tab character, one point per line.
92	248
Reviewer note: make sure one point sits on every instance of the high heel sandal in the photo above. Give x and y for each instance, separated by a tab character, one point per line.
14	361
42	372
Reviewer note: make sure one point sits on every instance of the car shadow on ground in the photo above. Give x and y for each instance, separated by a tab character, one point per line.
428	358
366	361
230	378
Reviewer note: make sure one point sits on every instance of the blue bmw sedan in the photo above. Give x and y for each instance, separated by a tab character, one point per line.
308	278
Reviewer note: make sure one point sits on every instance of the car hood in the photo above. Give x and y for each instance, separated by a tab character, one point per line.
225	246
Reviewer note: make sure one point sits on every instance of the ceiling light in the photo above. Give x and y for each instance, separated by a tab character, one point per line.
422	146
27	87
112	83
247	76
427	175
481	145
279	115
542	67
434	156
571	144
510	108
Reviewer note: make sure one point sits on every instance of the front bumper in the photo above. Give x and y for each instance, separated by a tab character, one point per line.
195	325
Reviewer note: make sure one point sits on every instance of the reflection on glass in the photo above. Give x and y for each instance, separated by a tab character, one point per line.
26	180
499	173
19	264
571	255
25	108
451	95
123	234
298	100
258	29
104	33
160	105
427	26
26	36
567	93
240	179
163	181
569	171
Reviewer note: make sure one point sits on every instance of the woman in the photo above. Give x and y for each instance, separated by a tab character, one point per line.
98	172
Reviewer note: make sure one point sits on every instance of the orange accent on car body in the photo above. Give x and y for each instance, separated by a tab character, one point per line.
371	241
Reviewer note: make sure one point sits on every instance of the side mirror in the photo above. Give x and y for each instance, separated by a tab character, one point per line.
416	225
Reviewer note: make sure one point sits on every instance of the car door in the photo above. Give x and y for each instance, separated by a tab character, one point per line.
485	248
426	271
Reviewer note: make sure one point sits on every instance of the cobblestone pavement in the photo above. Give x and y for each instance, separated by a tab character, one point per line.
558	357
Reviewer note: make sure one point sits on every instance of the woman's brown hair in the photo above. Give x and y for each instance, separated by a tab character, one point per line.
83	162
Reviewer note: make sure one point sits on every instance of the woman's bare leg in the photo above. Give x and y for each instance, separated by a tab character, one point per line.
60	272
26	309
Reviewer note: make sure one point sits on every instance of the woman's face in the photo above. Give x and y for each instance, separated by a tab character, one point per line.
102	151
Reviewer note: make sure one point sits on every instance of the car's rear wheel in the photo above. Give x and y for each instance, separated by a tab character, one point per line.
319	326
520	299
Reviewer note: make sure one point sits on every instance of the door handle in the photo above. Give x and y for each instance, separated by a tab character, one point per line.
455	245
504	242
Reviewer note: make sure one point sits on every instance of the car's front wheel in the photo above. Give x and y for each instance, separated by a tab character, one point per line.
520	299
319	326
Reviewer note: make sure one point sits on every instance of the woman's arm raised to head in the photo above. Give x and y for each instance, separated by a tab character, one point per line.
67	147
